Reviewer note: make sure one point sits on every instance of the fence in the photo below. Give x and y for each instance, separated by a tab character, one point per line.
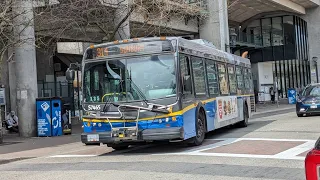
64	90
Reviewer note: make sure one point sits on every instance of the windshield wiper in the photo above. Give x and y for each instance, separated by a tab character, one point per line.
108	102
144	98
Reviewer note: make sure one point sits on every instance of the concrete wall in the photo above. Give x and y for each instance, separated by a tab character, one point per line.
313	20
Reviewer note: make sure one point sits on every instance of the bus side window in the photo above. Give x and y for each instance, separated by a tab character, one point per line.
246	80
232	79
185	74
199	76
239	80
212	77
223	79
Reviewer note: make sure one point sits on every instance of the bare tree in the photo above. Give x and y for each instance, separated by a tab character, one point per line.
95	20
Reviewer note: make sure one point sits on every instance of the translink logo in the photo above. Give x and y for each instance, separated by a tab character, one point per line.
45	106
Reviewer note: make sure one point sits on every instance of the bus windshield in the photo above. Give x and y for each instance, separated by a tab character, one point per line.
130	79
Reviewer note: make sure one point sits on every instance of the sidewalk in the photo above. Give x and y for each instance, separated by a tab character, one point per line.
268	107
18	148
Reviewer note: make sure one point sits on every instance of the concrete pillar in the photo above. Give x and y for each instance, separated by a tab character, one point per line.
26	71
123	32
215	28
313	25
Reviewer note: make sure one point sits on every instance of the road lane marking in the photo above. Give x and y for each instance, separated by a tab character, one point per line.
291	153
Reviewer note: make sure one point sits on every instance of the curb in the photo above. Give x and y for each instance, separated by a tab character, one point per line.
271	111
7	161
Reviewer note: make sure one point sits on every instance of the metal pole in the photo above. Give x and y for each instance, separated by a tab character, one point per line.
78	85
317	74
277	92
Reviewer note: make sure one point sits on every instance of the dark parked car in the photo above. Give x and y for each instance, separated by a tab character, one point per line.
308	101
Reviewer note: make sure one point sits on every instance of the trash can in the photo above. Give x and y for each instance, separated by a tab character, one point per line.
49	117
292	96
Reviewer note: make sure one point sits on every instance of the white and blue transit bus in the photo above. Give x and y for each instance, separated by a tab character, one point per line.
161	89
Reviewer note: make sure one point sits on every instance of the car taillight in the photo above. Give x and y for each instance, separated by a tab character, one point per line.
312	165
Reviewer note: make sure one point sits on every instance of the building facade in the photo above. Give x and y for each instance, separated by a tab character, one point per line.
279	40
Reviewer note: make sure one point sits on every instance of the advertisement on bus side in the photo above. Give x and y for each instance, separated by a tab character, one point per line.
227	108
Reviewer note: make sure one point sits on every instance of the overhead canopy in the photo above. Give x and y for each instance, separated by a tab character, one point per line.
242	10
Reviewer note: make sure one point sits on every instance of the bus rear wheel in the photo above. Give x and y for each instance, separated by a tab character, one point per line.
200	130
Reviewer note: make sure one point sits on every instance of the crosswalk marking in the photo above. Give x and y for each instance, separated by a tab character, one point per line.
291	153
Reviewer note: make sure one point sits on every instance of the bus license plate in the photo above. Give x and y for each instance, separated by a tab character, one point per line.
121	135
313	106
93	137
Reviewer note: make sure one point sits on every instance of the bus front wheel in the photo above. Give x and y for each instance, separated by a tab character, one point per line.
118	147
200	130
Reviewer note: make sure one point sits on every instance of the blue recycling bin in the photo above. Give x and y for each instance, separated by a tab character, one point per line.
292	96
49	117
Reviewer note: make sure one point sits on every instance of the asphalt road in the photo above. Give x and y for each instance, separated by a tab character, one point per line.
271	147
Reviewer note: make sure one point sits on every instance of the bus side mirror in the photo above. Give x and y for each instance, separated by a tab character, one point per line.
70	74
187	83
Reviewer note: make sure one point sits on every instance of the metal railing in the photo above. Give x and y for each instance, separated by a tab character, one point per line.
64	90
55	89
252	39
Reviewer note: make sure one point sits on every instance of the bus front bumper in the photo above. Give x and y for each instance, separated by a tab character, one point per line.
173	133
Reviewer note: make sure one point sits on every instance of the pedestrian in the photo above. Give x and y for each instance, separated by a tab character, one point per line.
272	93
12	122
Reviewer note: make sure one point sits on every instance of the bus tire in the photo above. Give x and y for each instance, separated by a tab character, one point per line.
244	123
200	130
92	144
118	147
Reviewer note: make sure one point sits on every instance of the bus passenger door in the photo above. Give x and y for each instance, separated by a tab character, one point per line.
187	100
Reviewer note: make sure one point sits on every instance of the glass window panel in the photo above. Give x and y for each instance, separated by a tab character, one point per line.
277	31
223	79
240	80
199	75
212	77
253	33
246	80
232	79
266	31
185	72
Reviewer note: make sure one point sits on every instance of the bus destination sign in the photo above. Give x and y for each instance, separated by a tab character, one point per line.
131	48
122	49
